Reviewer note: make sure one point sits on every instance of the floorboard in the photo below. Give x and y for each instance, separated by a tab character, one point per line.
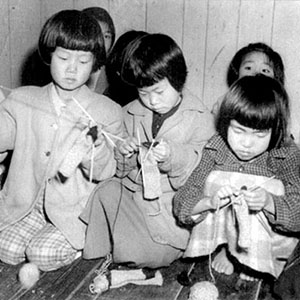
72	283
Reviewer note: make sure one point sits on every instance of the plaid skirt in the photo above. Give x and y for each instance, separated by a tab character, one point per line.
249	235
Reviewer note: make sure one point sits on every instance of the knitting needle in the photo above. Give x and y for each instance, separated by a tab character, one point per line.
107	134
5	88
251	189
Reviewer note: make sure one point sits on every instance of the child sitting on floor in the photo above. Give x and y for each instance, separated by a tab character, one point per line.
60	152
245	191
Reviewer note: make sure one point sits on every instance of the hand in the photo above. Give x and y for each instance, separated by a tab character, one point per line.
224	196
258	199
128	147
161	152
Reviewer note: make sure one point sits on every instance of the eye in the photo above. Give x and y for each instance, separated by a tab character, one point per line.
262	133
62	57
159	92
237	130
267	71
108	36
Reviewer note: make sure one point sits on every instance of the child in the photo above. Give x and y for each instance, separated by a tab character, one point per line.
98	81
255	58
245	191
167	128
117	89
56	133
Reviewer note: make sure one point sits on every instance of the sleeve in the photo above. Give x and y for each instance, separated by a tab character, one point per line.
287	207
185	155
192	191
8	123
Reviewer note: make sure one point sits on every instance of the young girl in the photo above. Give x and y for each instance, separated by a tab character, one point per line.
98	82
255	58
245	191
167	128
60	152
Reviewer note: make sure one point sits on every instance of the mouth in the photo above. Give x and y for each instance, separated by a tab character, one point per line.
70	80
244	155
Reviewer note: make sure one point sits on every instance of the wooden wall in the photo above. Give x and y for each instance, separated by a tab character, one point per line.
209	32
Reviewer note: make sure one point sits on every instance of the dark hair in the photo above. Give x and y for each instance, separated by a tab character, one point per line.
151	58
74	30
258	102
273	57
118	90
101	15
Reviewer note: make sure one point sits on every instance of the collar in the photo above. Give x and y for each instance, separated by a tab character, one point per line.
223	153
57	101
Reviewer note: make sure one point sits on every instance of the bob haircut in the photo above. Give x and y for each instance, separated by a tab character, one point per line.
101	15
73	30
117	88
151	58
273	57
258	102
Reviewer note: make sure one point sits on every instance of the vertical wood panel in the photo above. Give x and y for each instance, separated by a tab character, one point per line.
24	32
166	17
255	22
48	8
5	74
128	15
81	4
286	41
194	39
222	35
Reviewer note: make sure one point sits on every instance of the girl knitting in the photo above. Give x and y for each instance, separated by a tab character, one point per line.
166	129
244	194
60	152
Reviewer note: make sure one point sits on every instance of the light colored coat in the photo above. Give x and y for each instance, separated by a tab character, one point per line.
186	131
40	140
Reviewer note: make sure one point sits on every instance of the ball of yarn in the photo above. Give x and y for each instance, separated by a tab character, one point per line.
100	284
204	290
29	274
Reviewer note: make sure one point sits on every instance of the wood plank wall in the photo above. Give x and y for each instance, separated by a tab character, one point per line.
209	32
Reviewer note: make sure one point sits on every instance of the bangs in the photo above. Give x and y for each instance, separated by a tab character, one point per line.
260	115
78	35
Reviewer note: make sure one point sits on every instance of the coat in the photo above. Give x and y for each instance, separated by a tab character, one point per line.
40	140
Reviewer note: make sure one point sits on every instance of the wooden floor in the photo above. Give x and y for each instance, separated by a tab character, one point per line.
72	282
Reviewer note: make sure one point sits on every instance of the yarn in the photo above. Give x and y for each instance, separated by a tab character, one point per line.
29	274
204	290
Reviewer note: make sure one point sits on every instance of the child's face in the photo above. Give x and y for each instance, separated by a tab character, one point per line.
256	63
70	69
107	36
160	97
247	143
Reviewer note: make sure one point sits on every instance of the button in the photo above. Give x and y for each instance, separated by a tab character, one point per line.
47	153
241	168
54	126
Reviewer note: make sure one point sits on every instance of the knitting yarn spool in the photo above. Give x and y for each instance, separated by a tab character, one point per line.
204	290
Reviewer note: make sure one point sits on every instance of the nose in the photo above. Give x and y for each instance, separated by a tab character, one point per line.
153	99
247	141
72	66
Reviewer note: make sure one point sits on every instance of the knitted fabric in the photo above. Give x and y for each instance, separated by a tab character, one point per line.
242	216
76	154
151	175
